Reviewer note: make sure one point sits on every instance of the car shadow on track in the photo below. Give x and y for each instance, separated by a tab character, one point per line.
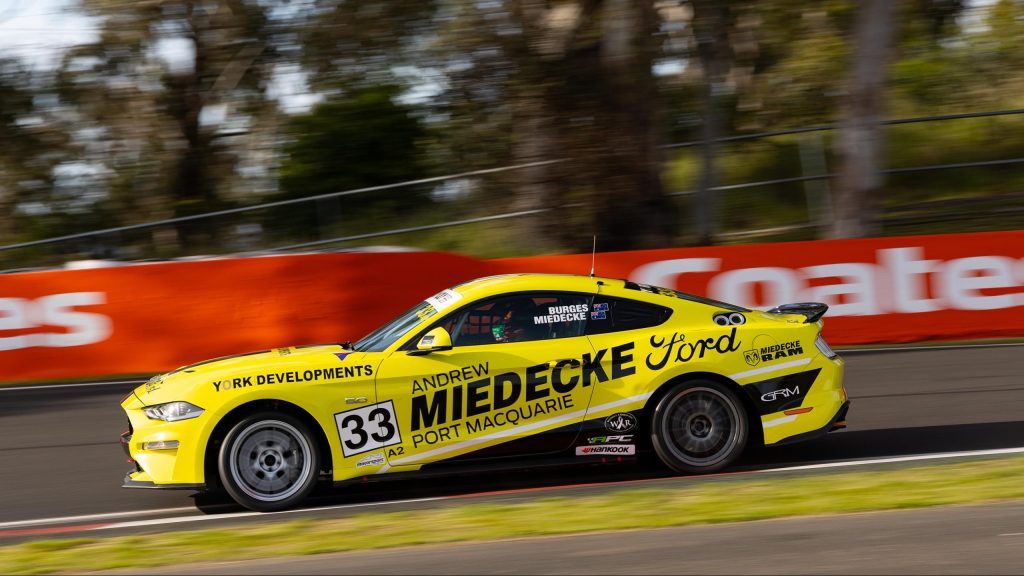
843	445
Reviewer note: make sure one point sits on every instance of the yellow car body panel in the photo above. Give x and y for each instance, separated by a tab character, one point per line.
397	408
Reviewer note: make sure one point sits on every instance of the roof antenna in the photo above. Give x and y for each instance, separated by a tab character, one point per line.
593	257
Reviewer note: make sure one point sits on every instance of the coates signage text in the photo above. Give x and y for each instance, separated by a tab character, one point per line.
878	289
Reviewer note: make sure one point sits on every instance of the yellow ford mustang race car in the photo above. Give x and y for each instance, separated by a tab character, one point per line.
495	371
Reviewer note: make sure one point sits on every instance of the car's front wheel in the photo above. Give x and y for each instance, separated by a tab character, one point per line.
699	426
269	461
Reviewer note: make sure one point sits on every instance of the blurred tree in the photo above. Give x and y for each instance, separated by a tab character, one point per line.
712	22
34	142
860	142
587	93
360	139
180	115
17	143
571	81
172	110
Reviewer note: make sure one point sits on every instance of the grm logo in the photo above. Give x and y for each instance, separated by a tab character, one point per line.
783	392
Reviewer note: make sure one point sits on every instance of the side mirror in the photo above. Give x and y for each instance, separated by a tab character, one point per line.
436	340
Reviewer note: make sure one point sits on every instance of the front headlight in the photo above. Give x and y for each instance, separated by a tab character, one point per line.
824	348
172	411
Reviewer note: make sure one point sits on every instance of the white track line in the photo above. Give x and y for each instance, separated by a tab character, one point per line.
92	517
180	519
79	385
908	458
198	518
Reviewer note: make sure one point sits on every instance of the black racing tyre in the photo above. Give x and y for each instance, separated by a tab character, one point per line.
698	427
269	461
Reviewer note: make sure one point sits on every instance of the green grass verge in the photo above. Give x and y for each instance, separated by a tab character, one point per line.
714	501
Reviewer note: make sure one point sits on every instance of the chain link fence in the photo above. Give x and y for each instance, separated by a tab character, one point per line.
806	195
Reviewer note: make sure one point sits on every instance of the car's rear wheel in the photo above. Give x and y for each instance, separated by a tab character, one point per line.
699	426
269	461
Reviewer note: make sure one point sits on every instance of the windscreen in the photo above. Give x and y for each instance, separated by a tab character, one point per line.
386	335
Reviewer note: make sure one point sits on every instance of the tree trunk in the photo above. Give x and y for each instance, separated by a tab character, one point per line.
634	211
711	28
861	141
537	185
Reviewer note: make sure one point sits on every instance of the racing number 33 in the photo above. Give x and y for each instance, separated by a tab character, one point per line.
368	428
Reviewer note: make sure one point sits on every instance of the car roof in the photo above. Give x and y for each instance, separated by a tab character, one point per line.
528	282
511	283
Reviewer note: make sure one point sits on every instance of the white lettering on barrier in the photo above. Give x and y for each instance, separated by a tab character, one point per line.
856	295
56	310
906	272
901	281
780	285
963	285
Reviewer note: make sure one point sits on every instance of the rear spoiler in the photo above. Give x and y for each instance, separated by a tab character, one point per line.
813	311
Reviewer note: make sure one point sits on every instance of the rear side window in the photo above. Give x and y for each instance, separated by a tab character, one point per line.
619	314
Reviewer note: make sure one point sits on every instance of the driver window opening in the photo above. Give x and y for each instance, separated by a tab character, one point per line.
521	318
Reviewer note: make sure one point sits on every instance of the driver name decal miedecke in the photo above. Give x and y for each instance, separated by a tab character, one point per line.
449	406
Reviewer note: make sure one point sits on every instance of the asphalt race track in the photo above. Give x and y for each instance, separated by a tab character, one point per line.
62	458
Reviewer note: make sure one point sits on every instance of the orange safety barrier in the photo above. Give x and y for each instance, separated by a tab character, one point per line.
153	317
898	289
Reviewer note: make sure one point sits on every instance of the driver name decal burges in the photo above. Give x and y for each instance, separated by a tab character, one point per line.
570	313
686	351
459	406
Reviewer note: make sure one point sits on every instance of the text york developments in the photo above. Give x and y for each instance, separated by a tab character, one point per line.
491	401
294	376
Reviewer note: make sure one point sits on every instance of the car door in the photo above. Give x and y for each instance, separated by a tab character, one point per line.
620	329
515	382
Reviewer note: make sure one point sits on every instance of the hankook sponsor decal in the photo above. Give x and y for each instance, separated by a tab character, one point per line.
606	449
